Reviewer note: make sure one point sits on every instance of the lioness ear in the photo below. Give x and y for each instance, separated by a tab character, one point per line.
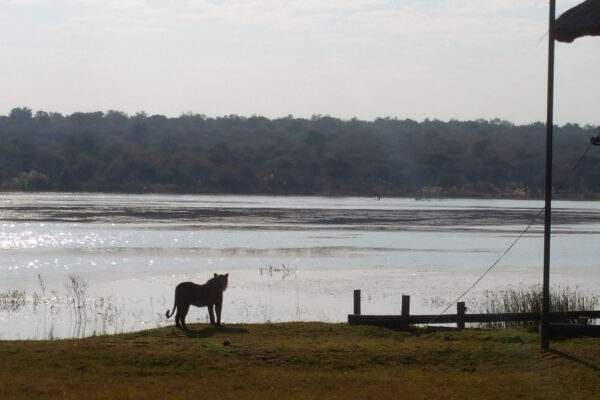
215	275
227	274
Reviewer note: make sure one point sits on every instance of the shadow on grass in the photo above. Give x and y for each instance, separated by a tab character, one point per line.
209	331
587	364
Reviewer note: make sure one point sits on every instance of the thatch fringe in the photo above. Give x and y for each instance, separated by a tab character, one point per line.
581	20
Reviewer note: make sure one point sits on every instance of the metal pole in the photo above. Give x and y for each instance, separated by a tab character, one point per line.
545	325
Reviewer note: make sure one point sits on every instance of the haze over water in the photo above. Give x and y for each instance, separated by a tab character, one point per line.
289	258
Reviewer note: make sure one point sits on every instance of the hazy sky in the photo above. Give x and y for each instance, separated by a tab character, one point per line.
444	59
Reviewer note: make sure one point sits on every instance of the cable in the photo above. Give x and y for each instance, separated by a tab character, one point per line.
575	166
560	187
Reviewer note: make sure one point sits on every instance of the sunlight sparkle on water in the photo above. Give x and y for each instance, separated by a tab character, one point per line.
288	258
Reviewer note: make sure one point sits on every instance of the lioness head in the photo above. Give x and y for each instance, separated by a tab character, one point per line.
223	280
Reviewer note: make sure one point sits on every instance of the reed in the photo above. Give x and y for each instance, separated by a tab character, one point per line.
562	298
77	288
285	271
12	300
87	316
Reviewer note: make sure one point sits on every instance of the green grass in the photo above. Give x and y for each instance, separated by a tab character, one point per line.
301	361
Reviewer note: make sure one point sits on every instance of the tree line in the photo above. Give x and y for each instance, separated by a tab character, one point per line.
114	152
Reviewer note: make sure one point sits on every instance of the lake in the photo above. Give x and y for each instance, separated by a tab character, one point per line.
76	265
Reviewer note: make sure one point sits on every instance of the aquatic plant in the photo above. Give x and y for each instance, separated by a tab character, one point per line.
42	285
284	270
435	302
12	300
77	288
87	316
562	298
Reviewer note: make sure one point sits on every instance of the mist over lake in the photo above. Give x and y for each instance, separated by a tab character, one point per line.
289	258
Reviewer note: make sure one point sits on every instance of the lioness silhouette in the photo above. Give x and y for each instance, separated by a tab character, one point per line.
208	295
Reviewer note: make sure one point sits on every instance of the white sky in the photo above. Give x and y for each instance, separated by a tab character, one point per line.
444	59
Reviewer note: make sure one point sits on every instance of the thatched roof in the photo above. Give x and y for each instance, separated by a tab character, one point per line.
581	20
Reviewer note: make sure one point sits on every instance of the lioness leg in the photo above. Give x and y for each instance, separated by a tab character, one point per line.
180	317
218	308
177	319
211	314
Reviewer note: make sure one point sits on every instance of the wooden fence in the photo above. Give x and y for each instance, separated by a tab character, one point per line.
405	319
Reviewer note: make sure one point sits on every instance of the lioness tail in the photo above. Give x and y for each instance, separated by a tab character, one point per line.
173	312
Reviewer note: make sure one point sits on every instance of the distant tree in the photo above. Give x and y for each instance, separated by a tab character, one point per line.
30	181
194	153
20	115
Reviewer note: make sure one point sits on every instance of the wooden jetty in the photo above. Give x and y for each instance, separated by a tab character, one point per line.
405	319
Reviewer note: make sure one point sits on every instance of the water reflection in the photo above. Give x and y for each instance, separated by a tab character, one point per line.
289	258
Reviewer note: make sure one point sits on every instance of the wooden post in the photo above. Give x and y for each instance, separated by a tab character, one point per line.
460	314
357	302
405	311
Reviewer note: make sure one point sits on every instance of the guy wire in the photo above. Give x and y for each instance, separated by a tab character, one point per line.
560	187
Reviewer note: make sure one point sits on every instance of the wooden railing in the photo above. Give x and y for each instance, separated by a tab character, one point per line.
405	319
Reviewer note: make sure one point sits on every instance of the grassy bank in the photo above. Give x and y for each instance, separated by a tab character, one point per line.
301	360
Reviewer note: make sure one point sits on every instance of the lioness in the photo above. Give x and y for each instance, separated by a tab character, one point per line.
208	295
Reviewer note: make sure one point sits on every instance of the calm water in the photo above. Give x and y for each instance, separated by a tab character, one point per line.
289	258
